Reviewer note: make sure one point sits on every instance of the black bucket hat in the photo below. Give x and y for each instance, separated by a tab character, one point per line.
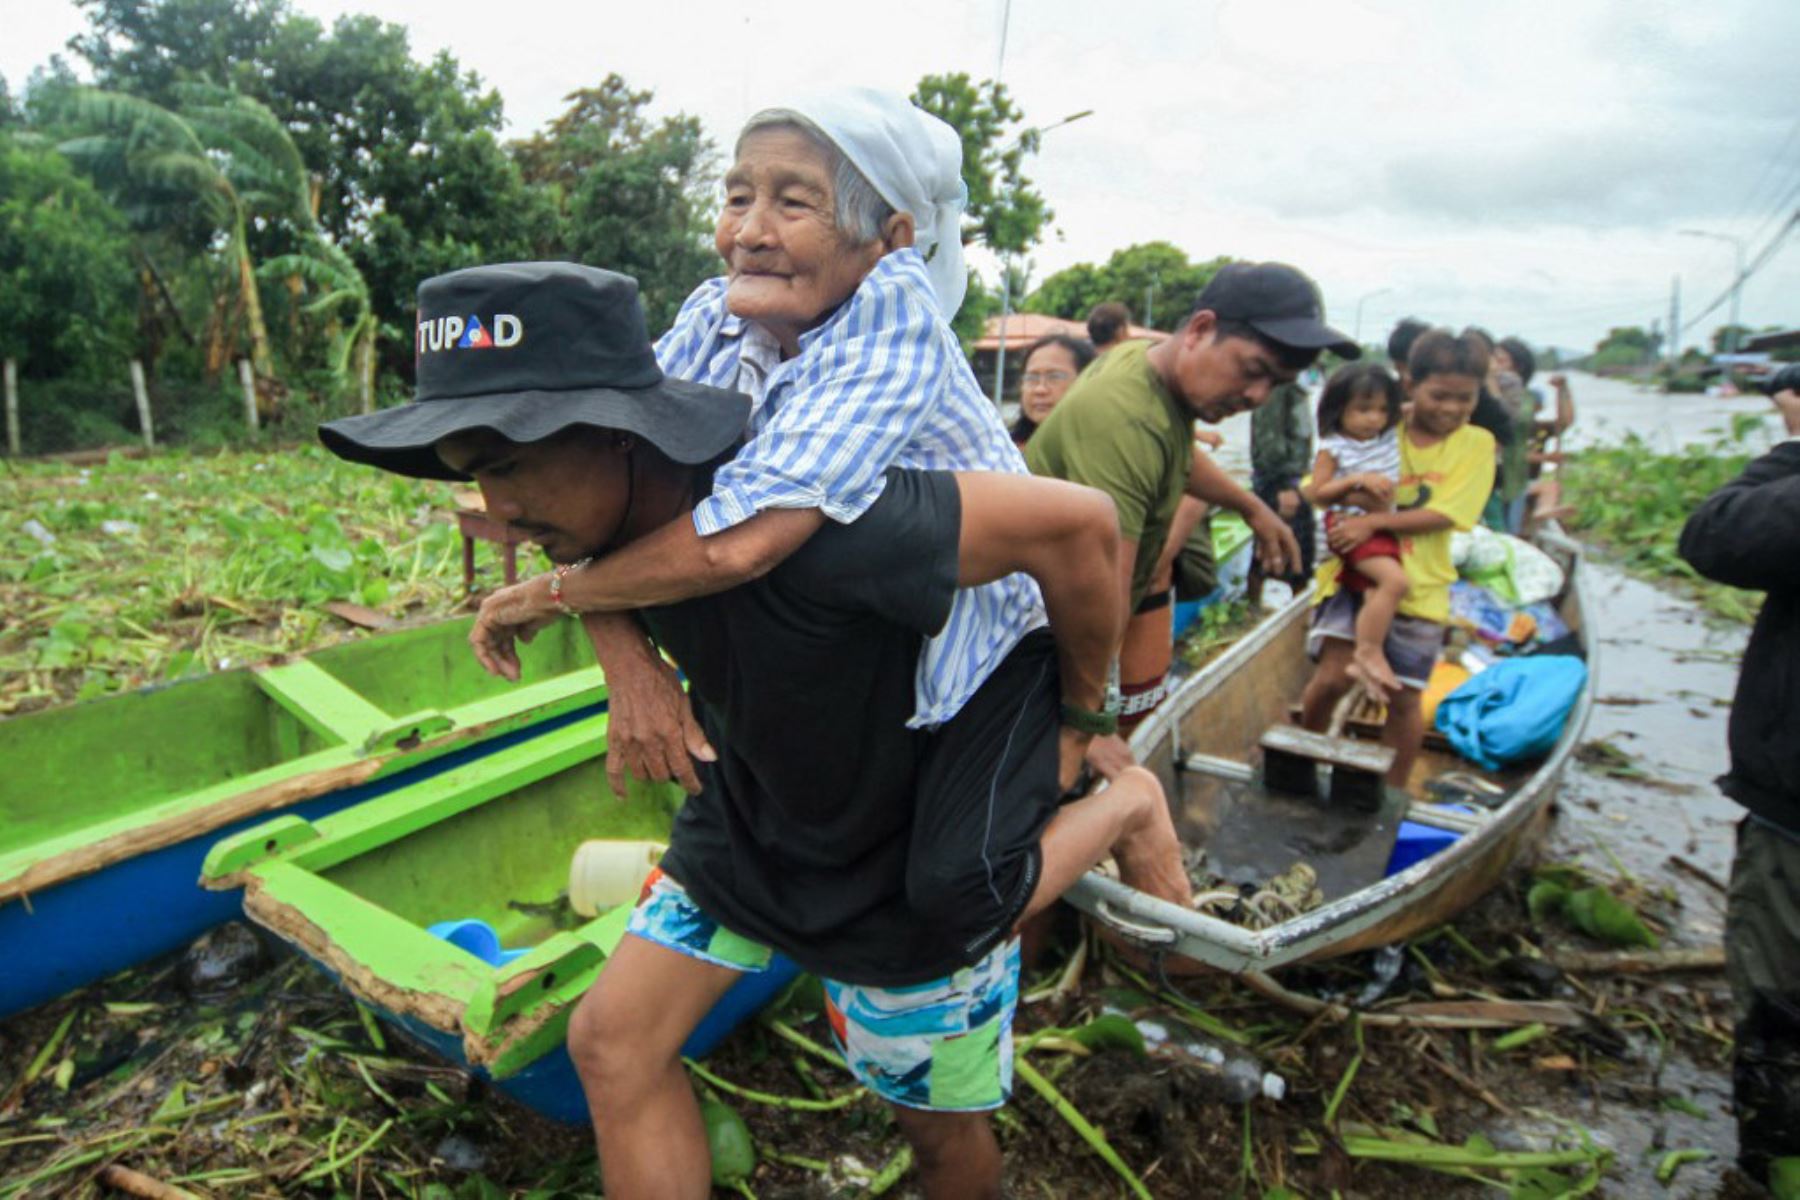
528	350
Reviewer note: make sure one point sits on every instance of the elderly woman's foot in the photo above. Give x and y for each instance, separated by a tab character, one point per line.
1148	852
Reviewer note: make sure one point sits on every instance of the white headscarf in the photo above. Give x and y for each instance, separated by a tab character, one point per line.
914	160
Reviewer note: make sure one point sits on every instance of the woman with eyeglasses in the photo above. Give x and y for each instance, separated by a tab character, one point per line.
1051	365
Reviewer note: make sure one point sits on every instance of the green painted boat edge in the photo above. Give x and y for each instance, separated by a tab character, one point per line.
507	1017
376	744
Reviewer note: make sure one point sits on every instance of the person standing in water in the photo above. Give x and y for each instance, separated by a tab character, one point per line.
1747	534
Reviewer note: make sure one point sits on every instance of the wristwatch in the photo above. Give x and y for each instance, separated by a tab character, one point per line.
1101	723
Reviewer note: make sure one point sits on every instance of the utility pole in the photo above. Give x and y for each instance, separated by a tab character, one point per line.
1005	258
1674	323
1737	281
1356	334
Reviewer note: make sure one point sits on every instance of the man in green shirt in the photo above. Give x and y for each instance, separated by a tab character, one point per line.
1127	425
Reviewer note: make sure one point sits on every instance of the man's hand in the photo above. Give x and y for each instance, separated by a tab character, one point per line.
1071	751
1110	755
1276	548
1350	532
1287	503
513	614
651	733
1209	438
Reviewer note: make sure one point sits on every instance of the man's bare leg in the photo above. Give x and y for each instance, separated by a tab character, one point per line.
625	1038
1369	665
956	1154
1130	820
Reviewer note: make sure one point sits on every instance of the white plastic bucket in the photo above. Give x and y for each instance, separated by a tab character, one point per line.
606	873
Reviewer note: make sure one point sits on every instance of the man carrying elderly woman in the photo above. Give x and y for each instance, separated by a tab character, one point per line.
840	230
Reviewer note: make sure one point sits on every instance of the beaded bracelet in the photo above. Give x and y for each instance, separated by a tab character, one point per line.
556	585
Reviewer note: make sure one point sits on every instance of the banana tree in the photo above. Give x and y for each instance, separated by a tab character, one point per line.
224	152
343	294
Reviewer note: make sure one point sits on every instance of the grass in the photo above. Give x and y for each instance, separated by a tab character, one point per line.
143	570
1634	501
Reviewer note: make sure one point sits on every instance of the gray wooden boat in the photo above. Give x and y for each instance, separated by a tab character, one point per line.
1203	745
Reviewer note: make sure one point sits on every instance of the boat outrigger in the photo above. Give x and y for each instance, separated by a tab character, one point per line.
108	807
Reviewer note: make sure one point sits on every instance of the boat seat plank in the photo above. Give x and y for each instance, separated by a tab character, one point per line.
322	702
1291	756
1327	750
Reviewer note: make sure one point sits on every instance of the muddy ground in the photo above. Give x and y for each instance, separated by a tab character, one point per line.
276	1086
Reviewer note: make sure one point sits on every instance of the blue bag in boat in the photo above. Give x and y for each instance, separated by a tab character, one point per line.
1513	710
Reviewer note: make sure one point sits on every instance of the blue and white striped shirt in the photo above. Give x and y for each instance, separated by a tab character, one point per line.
882	383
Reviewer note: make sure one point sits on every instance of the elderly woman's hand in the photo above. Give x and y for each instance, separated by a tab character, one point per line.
513	614
651	733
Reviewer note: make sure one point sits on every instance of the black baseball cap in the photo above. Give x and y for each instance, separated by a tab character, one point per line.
528	350
1279	302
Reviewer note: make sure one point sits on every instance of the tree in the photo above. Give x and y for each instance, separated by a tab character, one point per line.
1153	279
1005	213
344	299
979	303
66	291
630	195
1623	346
224	152
1727	336
410	177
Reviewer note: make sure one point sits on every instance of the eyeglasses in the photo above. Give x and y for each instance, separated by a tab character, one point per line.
1033	378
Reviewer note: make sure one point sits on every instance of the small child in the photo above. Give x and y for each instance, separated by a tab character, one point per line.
1446	472
1355	473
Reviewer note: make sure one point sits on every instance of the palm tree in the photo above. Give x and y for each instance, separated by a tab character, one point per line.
222	151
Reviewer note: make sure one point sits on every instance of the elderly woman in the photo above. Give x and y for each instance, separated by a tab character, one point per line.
840	232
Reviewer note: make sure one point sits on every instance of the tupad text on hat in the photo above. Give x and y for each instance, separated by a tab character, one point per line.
468	333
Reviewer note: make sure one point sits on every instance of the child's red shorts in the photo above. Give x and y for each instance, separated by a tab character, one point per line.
1382	545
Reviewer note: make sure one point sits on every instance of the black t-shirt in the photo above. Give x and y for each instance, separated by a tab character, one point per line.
803	681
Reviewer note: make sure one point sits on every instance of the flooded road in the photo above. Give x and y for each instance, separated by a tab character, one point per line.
1666	674
1666	677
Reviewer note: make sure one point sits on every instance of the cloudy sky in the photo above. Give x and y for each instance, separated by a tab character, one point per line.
1526	165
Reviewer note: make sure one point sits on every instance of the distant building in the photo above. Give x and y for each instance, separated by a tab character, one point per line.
1022	331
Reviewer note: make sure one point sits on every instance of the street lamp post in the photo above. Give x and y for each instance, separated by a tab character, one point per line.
1006	271
1737	281
1356	335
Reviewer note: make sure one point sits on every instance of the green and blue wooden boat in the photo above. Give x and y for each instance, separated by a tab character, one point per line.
108	807
490	841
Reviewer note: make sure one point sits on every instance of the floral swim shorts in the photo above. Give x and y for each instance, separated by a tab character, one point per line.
944	1045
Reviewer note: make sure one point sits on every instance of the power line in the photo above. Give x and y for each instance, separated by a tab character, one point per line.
1785	204
1761	260
1753	196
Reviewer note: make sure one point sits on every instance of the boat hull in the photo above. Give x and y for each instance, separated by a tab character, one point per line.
361	891
1220	713
96	924
109	807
